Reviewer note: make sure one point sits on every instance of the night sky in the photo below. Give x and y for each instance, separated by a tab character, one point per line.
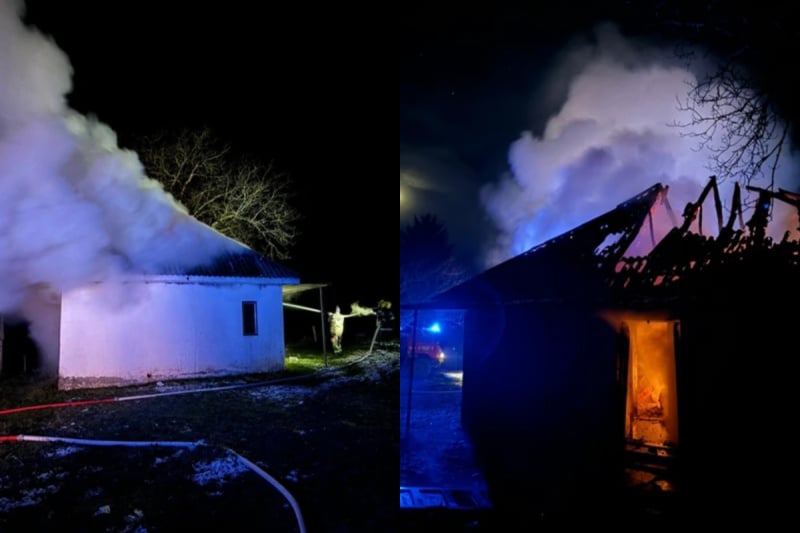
282	84
518	125
470	83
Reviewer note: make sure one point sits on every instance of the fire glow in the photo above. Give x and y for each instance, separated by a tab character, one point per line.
651	413
648	374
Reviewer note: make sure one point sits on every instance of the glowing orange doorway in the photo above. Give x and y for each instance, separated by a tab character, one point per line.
651	407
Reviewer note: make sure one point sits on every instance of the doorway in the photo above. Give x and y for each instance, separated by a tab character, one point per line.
651	406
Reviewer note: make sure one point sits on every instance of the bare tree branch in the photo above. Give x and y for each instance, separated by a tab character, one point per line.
241	199
742	109
737	123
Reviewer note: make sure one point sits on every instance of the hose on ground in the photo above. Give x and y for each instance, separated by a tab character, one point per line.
167	444
90	442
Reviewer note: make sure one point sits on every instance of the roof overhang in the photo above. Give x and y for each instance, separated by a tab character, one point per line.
188	279
291	290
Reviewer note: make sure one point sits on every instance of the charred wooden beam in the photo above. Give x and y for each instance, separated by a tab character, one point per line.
694	210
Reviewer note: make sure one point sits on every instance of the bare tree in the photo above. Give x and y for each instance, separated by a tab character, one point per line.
237	197
738	123
742	108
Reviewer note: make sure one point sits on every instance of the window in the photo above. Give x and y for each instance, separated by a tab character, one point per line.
249	324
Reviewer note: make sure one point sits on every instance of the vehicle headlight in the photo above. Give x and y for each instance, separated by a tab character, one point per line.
441	357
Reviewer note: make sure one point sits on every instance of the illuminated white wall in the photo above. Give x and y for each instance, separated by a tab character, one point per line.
139	331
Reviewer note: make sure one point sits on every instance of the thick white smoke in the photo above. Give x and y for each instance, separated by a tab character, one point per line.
614	137
76	207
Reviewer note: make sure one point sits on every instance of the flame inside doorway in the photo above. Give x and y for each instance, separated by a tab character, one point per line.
651	412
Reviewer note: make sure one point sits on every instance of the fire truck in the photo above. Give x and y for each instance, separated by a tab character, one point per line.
428	353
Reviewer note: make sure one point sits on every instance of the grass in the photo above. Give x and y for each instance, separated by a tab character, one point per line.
302	359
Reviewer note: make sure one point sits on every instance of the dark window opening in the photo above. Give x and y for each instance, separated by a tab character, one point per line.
19	354
249	324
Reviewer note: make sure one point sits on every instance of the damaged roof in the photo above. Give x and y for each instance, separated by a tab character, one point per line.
733	267
573	266
683	268
244	264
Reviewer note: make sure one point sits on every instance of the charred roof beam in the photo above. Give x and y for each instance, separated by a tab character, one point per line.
758	222
694	211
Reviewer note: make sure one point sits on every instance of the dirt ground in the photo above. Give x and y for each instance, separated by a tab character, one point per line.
329	441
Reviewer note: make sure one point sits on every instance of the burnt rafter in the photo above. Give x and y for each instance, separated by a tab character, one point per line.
736	209
687	266
592	263
694	210
758	222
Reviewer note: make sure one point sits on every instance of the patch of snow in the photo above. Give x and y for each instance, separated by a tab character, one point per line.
335	382
29	497
281	392
159	460
63	451
373	374
96	491
218	471
161	387
104	509
135	516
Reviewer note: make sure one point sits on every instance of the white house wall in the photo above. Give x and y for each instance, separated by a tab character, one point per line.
129	332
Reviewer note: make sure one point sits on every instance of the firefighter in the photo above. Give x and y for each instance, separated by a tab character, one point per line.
336	324
383	314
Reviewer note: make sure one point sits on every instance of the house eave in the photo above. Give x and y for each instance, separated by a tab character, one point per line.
194	279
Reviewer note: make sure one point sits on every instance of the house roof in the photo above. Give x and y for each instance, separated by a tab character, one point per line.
237	264
683	268
573	266
731	267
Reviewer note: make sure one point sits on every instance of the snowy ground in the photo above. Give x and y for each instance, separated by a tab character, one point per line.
436	452
309	435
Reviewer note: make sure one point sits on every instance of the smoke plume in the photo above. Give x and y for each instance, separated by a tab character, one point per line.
77	208
613	137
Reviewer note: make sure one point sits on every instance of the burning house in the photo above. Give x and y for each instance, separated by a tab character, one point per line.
619	343
225	317
219	317
104	277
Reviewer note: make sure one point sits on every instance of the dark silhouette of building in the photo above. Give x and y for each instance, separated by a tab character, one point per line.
583	356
